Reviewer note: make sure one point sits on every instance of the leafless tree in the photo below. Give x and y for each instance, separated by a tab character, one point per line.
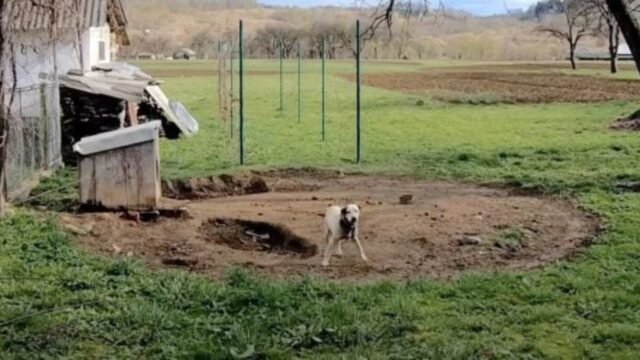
326	32
285	37
629	26
384	14
265	43
573	24
404	35
607	26
157	44
202	43
273	38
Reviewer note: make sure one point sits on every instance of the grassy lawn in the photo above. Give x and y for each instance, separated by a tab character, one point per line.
57	301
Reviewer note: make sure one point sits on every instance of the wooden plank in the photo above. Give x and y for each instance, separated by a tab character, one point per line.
158	179
111	191
140	176
87	190
147	171
132	113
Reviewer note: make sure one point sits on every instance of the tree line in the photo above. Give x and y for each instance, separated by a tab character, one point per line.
573	20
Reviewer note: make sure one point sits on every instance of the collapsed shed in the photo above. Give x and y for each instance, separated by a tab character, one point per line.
114	96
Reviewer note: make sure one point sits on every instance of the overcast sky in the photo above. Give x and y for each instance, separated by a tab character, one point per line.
478	7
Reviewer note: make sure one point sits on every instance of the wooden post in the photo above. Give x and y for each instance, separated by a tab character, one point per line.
358	105
323	91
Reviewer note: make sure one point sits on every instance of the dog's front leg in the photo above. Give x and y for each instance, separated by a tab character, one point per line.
339	250
357	240
327	250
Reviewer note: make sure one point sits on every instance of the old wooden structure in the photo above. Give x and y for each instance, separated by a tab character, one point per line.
120	170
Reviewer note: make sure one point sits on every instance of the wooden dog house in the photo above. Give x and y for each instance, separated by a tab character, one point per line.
121	169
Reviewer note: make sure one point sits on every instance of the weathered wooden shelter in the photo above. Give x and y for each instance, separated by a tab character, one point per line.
121	169
44	39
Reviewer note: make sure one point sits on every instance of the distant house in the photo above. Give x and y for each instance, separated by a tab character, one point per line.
145	56
185	54
624	54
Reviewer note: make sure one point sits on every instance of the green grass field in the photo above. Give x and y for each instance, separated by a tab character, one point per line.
57	301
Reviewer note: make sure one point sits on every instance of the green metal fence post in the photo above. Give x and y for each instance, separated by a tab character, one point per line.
241	66
323	90
219	79
358	118
299	82
281	55
231	113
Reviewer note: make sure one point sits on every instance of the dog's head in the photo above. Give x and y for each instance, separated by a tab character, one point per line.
351	214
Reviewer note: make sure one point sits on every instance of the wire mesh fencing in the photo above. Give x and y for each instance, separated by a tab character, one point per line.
34	137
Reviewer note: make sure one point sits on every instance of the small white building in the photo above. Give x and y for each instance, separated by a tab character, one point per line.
76	36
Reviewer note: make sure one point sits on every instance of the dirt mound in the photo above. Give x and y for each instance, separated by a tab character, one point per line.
257	236
503	87
631	122
214	186
445	230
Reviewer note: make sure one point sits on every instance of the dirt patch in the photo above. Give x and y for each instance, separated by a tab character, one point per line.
504	87
556	67
446	229
214	186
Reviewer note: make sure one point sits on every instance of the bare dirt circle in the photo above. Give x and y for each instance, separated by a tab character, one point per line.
444	230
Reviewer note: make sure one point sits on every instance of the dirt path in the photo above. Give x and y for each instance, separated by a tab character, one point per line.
427	238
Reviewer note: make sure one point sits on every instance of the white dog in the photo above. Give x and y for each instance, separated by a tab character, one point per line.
341	224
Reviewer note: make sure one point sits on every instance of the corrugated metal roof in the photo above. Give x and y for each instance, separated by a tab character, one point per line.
127	82
39	14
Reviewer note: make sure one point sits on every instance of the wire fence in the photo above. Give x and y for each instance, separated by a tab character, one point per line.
294	50
34	137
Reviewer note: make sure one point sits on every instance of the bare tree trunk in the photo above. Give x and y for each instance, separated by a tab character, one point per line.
614	44
4	133
572	55
628	25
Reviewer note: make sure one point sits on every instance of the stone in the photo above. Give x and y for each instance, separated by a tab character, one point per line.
469	240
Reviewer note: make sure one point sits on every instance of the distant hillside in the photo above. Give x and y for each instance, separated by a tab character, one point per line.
161	26
179	5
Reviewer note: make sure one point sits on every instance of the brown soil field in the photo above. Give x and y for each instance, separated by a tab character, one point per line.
504	87
279	233
536	66
199	72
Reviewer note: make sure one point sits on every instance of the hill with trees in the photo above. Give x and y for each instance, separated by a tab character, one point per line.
160	27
